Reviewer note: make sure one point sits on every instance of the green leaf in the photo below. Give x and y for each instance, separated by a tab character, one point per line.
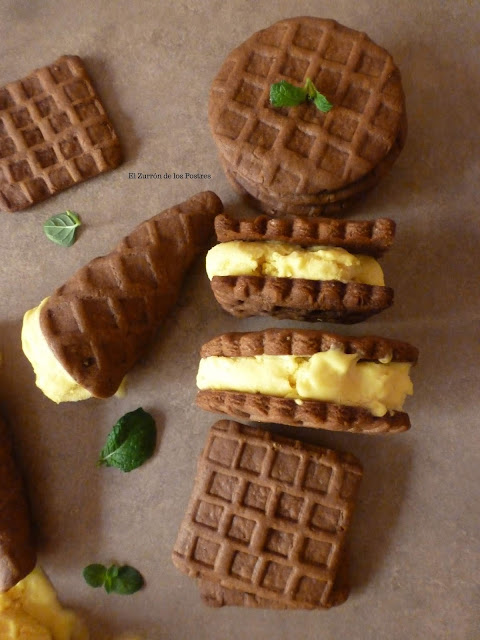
110	576
123	580
284	94
94	575
61	229
131	441
322	103
127	581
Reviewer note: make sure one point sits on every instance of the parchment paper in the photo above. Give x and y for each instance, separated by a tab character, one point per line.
415	536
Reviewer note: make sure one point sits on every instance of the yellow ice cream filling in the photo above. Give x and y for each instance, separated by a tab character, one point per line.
239	258
55	382
330	376
31	611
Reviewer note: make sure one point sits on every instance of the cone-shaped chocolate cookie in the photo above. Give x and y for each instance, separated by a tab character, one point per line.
298	298
314	413
101	321
267	521
17	551
298	159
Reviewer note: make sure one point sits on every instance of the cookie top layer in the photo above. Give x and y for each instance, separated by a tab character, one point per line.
306	342
369	237
268	516
300	150
54	133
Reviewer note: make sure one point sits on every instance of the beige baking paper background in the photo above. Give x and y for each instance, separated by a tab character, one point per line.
415	537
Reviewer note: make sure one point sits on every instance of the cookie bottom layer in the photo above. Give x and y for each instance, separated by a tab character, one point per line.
307	413
300	299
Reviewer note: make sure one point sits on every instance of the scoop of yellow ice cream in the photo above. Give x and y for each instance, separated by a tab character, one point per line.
238	258
330	376
31	611
56	383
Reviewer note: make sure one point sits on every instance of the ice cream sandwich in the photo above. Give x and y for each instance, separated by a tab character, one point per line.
300	268
89	333
267	522
308	378
17	549
298	159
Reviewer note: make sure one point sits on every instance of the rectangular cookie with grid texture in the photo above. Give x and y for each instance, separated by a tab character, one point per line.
54	133
267	521
342	281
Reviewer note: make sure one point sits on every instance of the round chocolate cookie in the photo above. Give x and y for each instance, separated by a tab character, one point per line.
299	159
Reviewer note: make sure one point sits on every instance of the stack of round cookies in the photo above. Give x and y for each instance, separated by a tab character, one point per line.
299	159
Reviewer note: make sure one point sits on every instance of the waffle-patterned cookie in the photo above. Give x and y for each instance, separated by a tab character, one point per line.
311	413
102	320
214	595
327	198
298	298
17	550
307	342
282	154
308	413
267	520
54	133
324	203
369	237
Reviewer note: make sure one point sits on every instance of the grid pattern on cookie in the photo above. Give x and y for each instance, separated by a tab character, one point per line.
54	133
100	321
313	414
214	594
306	342
292	203
319	204
300	299
268	516
300	150
370	237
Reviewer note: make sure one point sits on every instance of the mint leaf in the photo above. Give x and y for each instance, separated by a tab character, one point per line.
131	441
110	576
123	580
61	229
127	581
94	575
322	103
284	94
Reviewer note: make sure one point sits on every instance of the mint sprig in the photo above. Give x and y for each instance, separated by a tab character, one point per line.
131	441
123	580
61	228
284	94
